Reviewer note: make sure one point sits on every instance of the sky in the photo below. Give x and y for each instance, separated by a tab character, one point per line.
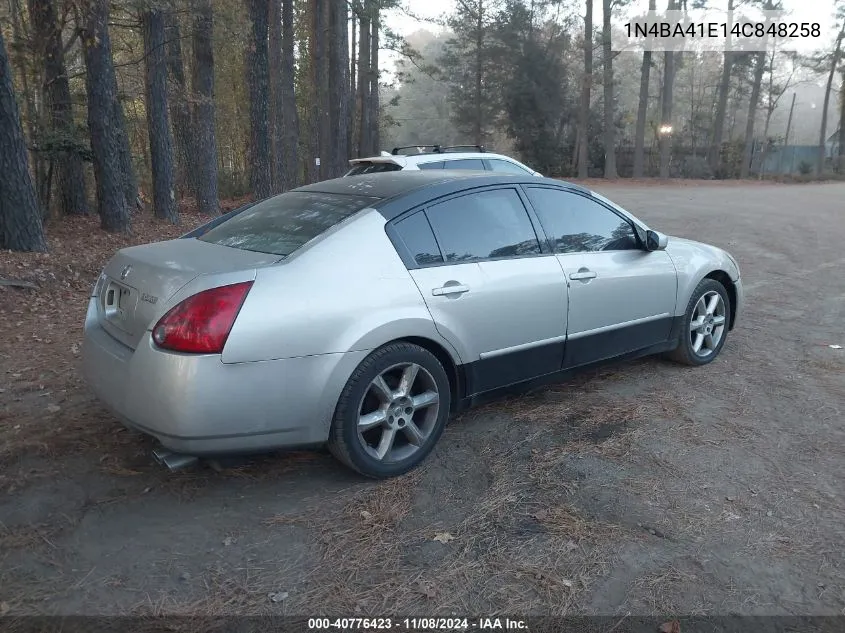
399	21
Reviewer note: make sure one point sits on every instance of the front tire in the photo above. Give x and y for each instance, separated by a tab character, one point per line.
706	323
391	412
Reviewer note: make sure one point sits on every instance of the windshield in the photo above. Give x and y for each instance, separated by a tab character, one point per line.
282	224
370	167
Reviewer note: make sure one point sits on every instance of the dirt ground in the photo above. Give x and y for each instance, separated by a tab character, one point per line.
644	488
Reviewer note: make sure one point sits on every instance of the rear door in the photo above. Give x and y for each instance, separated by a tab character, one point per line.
622	297
494	292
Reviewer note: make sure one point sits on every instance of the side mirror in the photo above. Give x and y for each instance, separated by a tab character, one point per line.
655	241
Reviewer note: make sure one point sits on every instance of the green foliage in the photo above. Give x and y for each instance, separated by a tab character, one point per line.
537	103
57	143
804	167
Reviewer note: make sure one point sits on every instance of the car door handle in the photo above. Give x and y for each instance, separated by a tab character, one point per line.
450	290
583	273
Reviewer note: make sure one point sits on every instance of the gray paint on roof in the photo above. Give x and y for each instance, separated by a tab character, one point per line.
395	183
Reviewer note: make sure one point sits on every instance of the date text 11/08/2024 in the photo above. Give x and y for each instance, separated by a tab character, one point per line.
416	624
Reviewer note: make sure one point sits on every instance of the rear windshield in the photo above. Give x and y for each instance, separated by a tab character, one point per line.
370	167
282	224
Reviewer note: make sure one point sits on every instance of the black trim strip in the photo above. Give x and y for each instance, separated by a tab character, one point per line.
482	381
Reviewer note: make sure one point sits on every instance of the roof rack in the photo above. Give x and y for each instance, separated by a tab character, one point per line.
435	149
479	148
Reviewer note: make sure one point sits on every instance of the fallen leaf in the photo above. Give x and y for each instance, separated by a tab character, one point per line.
541	514
228	541
672	626
730	499
366	514
278	596
566	583
443	537
53	408
427	589
4	608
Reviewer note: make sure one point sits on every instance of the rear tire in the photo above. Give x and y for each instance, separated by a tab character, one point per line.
706	323
391	412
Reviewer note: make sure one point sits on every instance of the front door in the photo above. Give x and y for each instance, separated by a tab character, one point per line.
622	297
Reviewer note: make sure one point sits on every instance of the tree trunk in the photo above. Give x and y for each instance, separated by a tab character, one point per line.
753	102
324	97
715	154
642	109
375	105
277	107
339	87
290	115
609	123
158	124
202	85
363	96
353	86
478	126
840	162
20	43
259	100
823	131
667	97
20	218
314	101
180	115
127	169
105	123
586	85
47	35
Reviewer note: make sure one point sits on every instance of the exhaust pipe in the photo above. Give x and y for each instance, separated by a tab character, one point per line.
173	461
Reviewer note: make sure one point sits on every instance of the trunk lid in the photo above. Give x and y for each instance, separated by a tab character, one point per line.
138	281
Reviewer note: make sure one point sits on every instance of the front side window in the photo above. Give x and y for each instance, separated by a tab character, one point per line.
484	225
416	233
281	224
576	224
506	167
465	163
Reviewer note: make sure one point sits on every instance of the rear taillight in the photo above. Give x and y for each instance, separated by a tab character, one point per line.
201	323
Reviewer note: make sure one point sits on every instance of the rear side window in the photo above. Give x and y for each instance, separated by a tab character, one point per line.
465	163
282	224
484	225
416	233
505	166
369	167
438	164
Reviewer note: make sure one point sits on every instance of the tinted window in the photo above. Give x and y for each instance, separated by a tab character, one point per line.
465	163
281	224
372	168
435	165
576	224
416	233
506	166
483	225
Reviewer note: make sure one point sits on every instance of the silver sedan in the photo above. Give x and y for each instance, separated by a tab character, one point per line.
360	312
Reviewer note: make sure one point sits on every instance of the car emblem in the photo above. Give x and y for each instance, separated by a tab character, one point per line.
125	272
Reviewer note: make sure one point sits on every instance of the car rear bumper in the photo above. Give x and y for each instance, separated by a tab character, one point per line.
196	404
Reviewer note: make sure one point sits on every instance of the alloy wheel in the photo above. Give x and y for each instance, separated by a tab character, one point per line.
707	324
398	412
